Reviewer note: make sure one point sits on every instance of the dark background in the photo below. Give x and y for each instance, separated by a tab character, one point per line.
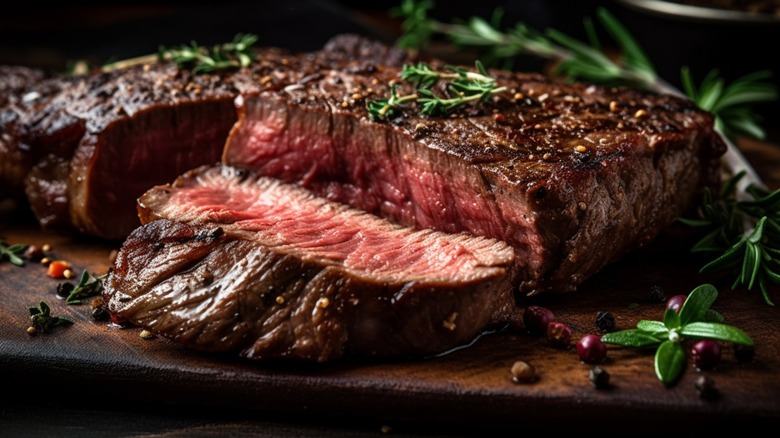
52	36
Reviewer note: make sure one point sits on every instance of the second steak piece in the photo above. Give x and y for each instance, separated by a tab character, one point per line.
572	176
235	263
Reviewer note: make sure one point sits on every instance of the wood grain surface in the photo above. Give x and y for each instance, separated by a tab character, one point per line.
91	365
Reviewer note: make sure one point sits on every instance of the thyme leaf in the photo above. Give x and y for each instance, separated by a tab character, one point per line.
42	319
695	321
233	55
87	286
464	87
12	253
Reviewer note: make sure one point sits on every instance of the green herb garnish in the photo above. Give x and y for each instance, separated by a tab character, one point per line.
12	253
232	55
737	240
744	234
695	321
589	61
731	103
465	87
87	286
42	319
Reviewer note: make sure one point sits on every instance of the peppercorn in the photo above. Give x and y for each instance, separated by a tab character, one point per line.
656	294
523	372
744	353
676	302
33	253
605	321
705	385
599	377
64	289
537	318
558	334
591	349
706	354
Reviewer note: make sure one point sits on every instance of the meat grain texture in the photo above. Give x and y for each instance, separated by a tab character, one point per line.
290	250
81	149
229	262
573	176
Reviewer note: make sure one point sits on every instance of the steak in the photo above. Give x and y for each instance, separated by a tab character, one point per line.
83	148
572	176
235	263
14	80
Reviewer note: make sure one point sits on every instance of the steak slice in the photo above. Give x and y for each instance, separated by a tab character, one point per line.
229	262
113	135
572	176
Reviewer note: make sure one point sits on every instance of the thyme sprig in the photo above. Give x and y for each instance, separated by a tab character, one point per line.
88	286
465	87
42	319
235	54
744	235
12	253
695	320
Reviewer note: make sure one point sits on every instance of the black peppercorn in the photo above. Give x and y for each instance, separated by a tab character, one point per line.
64	289
605	321
705	385
599	377
744	353
656	294
100	313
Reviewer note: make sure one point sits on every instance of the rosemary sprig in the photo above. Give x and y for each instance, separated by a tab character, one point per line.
235	54
465	87
694	321
744	236
576	60
42	320
12	253
731	103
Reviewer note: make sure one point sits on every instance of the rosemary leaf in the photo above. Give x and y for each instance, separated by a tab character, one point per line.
13	253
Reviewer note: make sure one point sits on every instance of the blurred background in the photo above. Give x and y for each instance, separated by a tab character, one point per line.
726	35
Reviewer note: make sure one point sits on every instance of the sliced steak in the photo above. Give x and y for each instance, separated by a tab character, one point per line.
14	81
571	175
124	131
236	263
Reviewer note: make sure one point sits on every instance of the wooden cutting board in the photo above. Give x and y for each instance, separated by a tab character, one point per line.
471	386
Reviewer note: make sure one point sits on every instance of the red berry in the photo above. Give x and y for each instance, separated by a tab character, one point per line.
591	350
559	334
706	354
536	319
676	302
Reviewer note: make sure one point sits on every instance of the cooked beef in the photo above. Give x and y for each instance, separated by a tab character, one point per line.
14	80
571	175
229	262
121	132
